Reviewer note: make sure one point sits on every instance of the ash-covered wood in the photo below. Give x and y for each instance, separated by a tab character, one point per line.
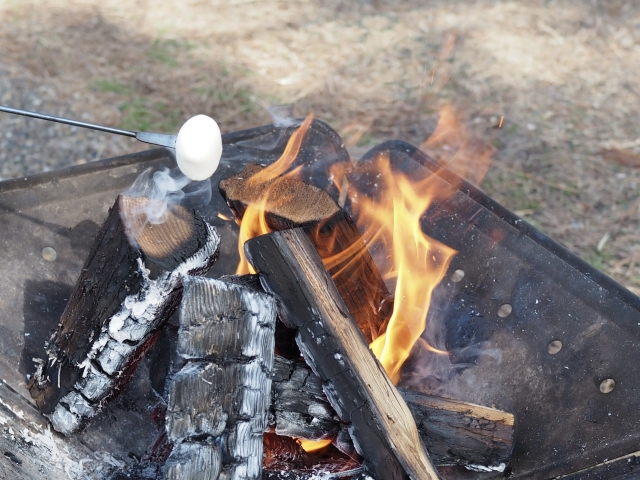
221	396
358	388
193	461
129	285
453	432
290	203
300	407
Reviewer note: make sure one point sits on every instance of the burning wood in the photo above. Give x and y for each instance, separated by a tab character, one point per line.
453	432
124	293
282	203
311	256
381	424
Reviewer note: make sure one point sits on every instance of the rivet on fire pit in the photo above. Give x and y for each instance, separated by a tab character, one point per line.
49	254
607	385
555	347
504	310
457	276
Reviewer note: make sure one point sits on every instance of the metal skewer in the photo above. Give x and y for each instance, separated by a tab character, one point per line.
160	139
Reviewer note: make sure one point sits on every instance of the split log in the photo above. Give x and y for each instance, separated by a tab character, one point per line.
290	203
380	423
218	402
129	285
453	432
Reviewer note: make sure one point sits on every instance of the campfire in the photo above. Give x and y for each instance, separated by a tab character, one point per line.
316	267
363	314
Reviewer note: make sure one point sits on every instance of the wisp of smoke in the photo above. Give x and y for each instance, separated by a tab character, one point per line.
440	374
282	115
164	188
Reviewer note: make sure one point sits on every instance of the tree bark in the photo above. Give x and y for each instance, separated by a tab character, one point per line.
124	293
358	388
290	203
219	401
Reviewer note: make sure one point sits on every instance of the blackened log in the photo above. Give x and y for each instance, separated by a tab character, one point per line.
129	285
290	203
453	432
358	388
221	396
298	404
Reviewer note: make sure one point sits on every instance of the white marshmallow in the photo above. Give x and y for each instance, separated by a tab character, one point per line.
199	147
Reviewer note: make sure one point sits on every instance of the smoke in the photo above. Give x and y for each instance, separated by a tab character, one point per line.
163	189
282	115
457	374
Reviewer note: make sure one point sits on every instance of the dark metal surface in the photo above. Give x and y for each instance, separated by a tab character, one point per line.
564	423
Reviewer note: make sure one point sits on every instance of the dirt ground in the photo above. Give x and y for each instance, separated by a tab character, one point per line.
551	86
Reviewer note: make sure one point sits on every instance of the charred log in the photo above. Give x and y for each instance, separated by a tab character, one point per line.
219	401
298	404
453	432
129	285
290	203
358	388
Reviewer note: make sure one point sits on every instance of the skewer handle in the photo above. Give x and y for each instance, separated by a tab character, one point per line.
147	137
67	121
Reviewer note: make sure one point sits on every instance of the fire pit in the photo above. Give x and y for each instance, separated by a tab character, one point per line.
531	329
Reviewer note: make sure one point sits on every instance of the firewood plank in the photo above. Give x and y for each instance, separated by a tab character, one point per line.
355	383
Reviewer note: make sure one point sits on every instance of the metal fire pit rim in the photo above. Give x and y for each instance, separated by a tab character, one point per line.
84	169
473	192
143	156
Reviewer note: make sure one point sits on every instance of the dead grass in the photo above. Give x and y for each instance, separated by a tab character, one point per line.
561	75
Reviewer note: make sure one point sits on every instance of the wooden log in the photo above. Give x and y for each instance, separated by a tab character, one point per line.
218	403
380	423
290	203
189	460
453	432
129	285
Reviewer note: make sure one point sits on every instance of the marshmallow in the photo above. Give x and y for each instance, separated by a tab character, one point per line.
199	147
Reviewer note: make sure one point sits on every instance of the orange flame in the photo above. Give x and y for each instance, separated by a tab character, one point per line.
452	146
418	262
254	222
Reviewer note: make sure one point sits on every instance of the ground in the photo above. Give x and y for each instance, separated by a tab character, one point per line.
550	88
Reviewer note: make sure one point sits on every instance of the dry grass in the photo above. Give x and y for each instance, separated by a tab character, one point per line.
561	74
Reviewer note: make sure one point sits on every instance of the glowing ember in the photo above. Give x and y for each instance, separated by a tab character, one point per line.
314	445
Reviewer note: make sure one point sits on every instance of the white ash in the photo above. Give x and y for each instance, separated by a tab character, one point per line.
491	468
126	331
223	393
193	461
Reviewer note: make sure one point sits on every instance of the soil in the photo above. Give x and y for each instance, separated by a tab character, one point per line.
549	87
